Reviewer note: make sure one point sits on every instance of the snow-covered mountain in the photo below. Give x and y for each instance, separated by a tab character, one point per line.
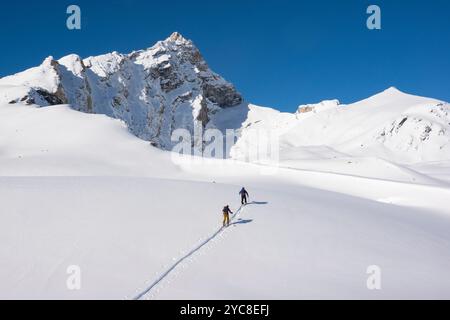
154	91
77	189
170	86
391	125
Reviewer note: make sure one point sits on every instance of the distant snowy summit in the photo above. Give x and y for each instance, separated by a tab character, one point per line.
154	91
391	125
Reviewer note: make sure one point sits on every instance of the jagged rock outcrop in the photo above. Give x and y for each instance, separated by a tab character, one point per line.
154	91
413	129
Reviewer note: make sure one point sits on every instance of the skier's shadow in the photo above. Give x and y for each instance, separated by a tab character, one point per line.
258	202
242	221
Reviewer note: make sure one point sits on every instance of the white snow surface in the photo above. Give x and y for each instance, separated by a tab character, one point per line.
79	189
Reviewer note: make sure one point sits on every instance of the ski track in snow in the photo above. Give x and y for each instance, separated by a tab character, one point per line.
165	274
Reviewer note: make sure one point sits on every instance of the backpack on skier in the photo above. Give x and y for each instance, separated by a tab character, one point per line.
226	210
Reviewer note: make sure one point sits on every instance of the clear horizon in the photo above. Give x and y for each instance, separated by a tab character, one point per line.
278	54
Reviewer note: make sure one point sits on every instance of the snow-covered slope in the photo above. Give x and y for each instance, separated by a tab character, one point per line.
130	218
392	125
155	91
58	141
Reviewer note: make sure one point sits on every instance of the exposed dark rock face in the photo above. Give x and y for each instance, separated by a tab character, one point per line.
223	96
52	98
203	116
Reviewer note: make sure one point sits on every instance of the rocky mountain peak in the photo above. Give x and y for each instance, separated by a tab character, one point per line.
154	91
177	37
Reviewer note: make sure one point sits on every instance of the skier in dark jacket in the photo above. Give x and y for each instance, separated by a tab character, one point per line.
226	215
244	196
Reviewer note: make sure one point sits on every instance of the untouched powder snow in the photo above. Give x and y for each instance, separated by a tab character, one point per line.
79	189
57	141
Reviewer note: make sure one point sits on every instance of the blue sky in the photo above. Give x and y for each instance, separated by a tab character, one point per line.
277	53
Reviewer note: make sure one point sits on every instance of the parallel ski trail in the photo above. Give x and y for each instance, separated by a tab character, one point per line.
186	256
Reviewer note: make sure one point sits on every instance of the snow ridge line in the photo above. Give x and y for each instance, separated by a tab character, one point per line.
186	256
